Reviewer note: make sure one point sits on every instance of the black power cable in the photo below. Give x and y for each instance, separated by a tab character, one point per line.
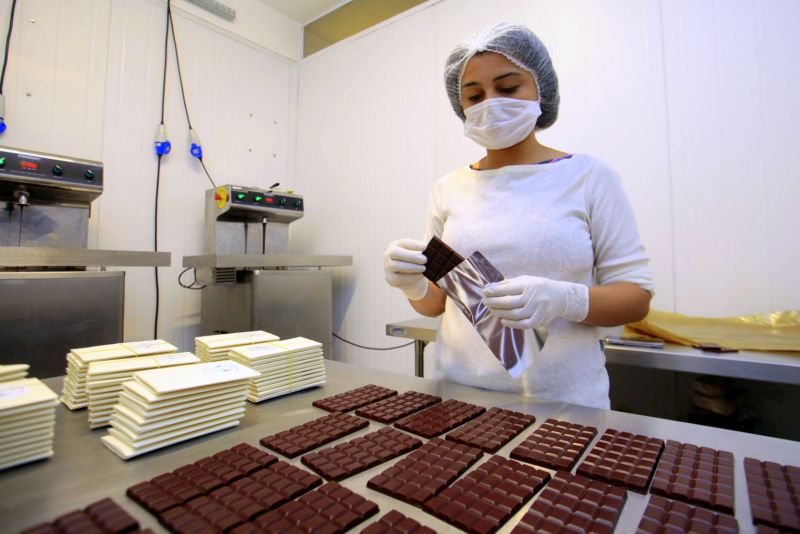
8	44
370	348
193	285
180	82
158	172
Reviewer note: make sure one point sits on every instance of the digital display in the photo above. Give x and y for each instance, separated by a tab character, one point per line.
29	165
269	200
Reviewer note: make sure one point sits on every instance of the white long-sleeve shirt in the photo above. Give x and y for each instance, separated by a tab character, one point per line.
566	220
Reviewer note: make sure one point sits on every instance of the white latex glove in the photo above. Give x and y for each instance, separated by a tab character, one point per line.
403	265
532	301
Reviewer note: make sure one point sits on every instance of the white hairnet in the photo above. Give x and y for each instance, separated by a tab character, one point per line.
521	46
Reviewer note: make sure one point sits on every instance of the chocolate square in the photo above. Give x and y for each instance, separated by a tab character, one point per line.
354	398
664	516
441	259
623	459
774	491
577	502
390	410
440	418
426	471
331	508
359	454
396	523
102	516
488	496
493	429
555	444
696	475
303	438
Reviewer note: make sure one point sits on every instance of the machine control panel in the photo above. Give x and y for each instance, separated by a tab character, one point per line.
239	203
49	178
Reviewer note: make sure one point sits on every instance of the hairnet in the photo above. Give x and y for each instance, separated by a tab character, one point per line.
521	46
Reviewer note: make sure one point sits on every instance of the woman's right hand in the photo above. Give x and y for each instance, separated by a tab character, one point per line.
403	265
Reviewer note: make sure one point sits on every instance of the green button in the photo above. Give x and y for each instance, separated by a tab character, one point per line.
240	196
89	175
283	201
58	170
259	198
298	203
2	162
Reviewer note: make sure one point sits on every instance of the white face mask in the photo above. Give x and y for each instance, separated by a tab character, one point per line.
501	122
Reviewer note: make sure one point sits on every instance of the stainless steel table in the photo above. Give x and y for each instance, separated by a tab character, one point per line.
777	367
83	470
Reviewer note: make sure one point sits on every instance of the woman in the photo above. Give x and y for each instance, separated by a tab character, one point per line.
557	225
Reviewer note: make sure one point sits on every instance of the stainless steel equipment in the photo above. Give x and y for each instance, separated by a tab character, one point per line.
252	283
52	297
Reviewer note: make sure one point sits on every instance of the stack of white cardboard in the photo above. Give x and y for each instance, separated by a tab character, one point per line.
13	372
161	407
74	395
104	380
215	348
283	366
27	421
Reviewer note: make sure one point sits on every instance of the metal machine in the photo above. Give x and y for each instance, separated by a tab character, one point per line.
52	296
251	282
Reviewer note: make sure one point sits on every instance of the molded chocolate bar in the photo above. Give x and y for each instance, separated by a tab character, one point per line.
359	454
697	475
308	436
355	398
774	491
390	410
493	429
101	516
582	503
441	259
426	471
330	509
623	459
396	523
488	496
190	481
246	498
440	418
663	516
555	444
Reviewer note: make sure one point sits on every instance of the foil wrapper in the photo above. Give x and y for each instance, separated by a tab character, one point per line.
514	348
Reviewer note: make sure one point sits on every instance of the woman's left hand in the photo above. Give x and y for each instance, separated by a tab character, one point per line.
533	301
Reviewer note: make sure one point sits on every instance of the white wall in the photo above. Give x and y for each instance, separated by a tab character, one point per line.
94	70
693	102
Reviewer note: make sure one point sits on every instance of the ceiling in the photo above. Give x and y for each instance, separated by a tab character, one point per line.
304	11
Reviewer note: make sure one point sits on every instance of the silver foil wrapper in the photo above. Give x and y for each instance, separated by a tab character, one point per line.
514	348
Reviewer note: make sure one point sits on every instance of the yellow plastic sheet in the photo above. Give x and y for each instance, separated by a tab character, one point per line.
778	331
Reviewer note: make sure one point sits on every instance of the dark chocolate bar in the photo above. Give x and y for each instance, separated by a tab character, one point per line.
390	410
574	503
774	491
279	483
303	438
396	523
664	516
696	475
329	509
441	259
426	471
555	444
102	516
487	496
623	459
354	398
440	418
493	429
359	454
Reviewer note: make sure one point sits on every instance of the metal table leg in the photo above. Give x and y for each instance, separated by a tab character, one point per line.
419	357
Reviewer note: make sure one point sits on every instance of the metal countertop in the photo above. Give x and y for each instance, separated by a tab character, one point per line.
80	257
256	261
778	367
83	470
